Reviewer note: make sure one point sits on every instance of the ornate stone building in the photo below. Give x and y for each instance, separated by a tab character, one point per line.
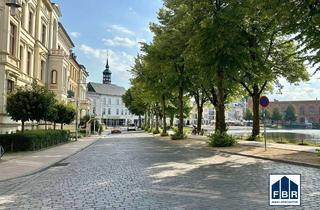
106	102
34	46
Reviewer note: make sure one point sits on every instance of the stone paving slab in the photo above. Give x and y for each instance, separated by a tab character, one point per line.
13	165
137	171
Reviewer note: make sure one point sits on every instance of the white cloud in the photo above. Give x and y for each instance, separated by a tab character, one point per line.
120	62
303	91
122	41
75	34
122	29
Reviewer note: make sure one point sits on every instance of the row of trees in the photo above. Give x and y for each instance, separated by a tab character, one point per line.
37	103
289	115
220	50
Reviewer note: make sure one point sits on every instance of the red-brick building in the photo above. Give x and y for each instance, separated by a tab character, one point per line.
306	111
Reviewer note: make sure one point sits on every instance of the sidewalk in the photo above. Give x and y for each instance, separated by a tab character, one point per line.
25	163
287	153
299	148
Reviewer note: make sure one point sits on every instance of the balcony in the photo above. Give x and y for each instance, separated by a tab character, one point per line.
58	52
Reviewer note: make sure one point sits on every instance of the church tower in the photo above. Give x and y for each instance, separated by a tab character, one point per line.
107	74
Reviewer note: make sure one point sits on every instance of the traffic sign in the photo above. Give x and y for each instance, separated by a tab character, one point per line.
264	101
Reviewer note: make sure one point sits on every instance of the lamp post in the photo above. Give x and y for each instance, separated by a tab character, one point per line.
13	4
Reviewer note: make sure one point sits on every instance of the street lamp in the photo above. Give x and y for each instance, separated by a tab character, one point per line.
13	4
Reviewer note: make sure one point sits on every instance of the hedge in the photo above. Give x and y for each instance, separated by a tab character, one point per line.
33	140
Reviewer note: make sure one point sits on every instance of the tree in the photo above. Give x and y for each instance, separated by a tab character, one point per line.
248	115
65	114
30	103
276	115
18	105
133	104
265	114
290	114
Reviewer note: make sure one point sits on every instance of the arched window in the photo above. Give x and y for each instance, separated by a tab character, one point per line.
302	110
312	110
54	76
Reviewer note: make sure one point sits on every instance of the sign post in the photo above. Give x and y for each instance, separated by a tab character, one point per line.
264	102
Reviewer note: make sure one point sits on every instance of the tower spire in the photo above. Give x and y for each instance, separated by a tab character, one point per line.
107	66
107	73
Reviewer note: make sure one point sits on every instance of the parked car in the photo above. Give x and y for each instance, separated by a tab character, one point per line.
131	127
115	131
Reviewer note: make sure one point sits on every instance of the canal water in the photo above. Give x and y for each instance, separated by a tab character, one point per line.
286	135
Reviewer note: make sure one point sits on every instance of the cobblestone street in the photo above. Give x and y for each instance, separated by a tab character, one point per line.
136	171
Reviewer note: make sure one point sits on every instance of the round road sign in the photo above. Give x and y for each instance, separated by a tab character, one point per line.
264	101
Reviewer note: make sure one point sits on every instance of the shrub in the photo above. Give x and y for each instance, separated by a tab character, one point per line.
33	140
221	140
155	131
318	152
178	136
164	134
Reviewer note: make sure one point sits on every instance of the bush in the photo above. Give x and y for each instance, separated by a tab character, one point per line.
33	140
178	136
155	131
221	140
164	134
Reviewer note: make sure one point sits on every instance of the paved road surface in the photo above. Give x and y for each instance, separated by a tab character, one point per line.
135	171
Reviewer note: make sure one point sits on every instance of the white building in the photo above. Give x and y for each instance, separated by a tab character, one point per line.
106	102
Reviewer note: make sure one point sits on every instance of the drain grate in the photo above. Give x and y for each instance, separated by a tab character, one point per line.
59	165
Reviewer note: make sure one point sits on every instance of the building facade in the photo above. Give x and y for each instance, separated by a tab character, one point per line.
306	111
106	102
34	46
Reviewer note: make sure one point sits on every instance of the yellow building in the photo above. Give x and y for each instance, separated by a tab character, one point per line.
34	46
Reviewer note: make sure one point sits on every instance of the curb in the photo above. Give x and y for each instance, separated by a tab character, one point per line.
50	165
270	159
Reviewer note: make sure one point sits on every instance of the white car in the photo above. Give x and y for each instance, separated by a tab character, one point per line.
131	127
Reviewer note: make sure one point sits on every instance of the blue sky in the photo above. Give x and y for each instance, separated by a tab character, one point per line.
117	26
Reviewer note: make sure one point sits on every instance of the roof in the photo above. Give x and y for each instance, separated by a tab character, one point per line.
106	89
66	34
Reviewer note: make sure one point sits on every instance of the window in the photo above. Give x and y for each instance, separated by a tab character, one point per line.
109	101
29	63
126	112
21	58
13	37
43	67
10	86
104	101
109	111
44	34
118	102
301	110
117	111
104	111
54	75
121	111
30	23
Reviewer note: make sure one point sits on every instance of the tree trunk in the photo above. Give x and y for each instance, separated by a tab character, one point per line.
164	118
157	121
180	126
220	109
140	121
171	120
145	120
199	120
149	119
45	126
22	126
61	126
256	118
54	125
